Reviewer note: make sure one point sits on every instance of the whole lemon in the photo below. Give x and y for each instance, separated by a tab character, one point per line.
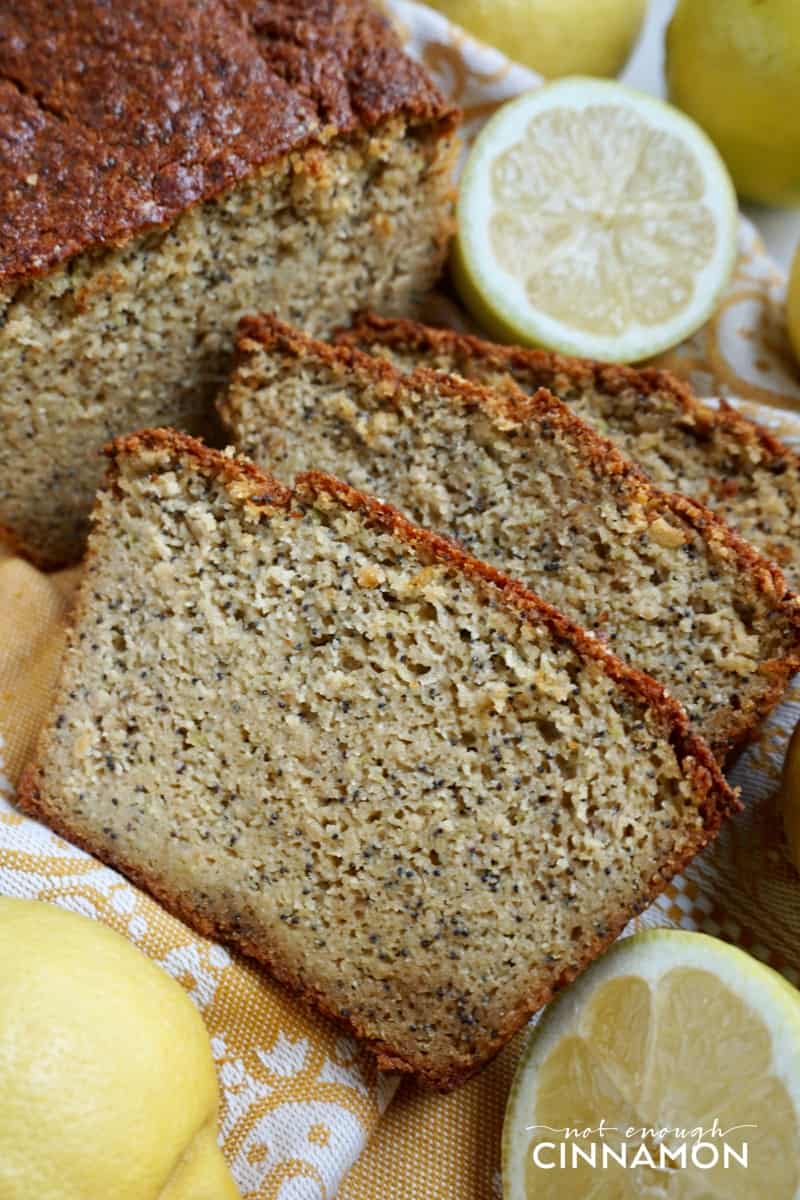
582	37
108	1082
793	305
734	65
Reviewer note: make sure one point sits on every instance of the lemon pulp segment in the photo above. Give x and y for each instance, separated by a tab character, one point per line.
594	220
676	1041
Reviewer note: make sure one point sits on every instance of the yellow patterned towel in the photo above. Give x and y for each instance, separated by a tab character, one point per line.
299	1100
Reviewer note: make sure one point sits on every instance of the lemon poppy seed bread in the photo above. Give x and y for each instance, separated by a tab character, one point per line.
419	795
716	456
522	483
165	167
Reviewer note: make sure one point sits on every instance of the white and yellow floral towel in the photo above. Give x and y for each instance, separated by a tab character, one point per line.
299	1101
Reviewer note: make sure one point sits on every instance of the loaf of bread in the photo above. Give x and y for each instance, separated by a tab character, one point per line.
718	457
522	483
165	167
416	793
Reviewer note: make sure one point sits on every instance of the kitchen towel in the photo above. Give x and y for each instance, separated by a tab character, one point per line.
300	1102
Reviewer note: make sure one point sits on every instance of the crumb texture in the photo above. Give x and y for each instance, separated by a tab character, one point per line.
522	485
141	335
719	458
117	117
357	758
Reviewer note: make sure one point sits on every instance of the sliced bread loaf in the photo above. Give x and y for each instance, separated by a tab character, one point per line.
525	485
165	167
415	792
719	458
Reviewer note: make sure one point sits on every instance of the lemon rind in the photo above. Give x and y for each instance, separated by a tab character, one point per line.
495	298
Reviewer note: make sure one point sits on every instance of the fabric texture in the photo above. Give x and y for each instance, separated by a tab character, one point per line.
300	1102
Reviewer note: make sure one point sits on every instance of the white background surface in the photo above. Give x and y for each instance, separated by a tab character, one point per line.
779	227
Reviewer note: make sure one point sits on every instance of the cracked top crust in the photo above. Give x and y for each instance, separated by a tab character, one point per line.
117	117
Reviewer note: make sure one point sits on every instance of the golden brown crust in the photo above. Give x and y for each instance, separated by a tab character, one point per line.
262	489
118	117
265	331
252	487
602	457
694	417
610	377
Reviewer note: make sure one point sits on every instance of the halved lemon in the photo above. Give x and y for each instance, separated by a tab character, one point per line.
673	1066
594	220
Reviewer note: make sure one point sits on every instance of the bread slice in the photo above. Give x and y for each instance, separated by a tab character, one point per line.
522	483
419	795
167	167
719	458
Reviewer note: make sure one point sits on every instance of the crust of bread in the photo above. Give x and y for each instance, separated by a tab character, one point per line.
715	798
222	89
694	417
601	455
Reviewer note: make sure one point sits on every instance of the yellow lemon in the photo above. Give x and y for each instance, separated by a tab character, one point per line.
594	220
108	1083
670	1069
734	66
793	305
582	37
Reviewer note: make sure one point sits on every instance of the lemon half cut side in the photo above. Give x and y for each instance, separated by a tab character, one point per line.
594	220
671	1038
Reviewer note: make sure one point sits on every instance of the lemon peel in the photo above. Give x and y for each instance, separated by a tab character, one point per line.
594	220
